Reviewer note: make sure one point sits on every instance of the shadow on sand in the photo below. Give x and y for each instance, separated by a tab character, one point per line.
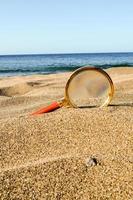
122	104
111	105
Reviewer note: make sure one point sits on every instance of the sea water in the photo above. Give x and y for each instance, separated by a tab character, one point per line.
12	65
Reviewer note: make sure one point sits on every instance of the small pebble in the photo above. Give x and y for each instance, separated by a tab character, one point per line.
90	162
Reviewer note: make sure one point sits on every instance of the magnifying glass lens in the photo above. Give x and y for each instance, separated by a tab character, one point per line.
89	88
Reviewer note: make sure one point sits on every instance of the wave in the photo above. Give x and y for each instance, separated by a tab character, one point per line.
56	69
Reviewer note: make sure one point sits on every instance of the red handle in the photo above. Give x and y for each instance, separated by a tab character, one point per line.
46	109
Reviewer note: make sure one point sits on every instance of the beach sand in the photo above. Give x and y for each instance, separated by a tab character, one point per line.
69	153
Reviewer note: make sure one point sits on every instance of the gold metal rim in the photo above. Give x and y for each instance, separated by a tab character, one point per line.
89	68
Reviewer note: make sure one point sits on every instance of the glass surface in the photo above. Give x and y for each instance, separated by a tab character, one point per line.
89	88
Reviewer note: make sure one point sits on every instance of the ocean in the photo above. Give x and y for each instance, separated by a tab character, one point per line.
12	65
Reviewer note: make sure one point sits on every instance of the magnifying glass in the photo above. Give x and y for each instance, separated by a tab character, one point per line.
87	87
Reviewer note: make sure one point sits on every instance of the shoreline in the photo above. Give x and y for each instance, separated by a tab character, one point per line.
68	71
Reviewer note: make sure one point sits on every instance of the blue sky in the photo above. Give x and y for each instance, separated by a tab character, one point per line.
65	26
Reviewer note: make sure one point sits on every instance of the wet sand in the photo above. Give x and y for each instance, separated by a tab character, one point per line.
69	153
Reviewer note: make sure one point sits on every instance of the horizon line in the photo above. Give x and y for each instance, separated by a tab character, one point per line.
26	54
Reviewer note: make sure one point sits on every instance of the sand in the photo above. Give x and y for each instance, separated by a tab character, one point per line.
69	153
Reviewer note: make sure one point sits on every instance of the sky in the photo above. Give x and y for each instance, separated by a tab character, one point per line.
65	26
